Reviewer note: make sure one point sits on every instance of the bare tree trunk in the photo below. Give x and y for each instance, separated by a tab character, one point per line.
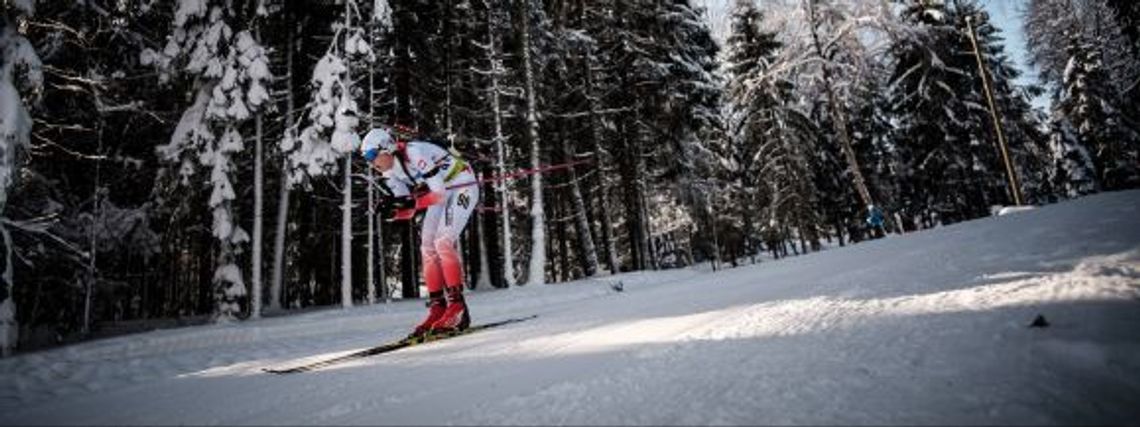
275	290
370	258
258	219
500	152
600	158
649	247
537	272
346	205
582	223
346	237
563	239
629	188
9	329
484	279
283	192
92	265
370	289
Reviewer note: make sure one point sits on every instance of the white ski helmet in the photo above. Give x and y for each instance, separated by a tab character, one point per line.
375	142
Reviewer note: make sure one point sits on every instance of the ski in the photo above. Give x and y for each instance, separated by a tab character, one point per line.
393	346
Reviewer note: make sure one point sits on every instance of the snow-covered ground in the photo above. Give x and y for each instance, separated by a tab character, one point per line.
926	328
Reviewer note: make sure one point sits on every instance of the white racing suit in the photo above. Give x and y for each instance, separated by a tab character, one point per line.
449	205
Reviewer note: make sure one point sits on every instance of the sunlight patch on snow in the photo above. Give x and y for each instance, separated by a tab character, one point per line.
1109	278
613	337
1007	210
1008	275
242	369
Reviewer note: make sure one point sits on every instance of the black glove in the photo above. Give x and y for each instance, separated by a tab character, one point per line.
420	190
389	205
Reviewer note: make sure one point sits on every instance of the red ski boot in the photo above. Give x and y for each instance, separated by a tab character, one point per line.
455	318
437	306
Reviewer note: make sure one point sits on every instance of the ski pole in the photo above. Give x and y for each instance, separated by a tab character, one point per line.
521	173
513	175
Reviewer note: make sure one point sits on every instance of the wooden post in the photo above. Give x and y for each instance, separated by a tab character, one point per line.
1014	185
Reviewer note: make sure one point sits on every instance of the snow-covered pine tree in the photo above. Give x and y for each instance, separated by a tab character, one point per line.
1073	173
1034	162
873	140
832	64
603	156
835	44
20	77
331	134
782	136
566	86
1090	104
1027	144
946	147
1053	26
751	100
1127	17
1127	14
96	132
228	69
649	54
611	25
1078	46
691	100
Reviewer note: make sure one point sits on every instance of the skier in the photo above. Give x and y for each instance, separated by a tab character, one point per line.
875	220
421	176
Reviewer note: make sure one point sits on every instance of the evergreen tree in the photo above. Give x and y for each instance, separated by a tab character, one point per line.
331	135
873	140
1056	29
1026	145
949	152
1098	123
657	80
1087	50
751	94
20	76
229	69
1073	173
693	101
837	48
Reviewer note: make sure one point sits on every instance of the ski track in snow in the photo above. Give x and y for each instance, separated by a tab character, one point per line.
925	328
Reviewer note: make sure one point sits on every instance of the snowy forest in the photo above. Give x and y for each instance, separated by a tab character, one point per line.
168	162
